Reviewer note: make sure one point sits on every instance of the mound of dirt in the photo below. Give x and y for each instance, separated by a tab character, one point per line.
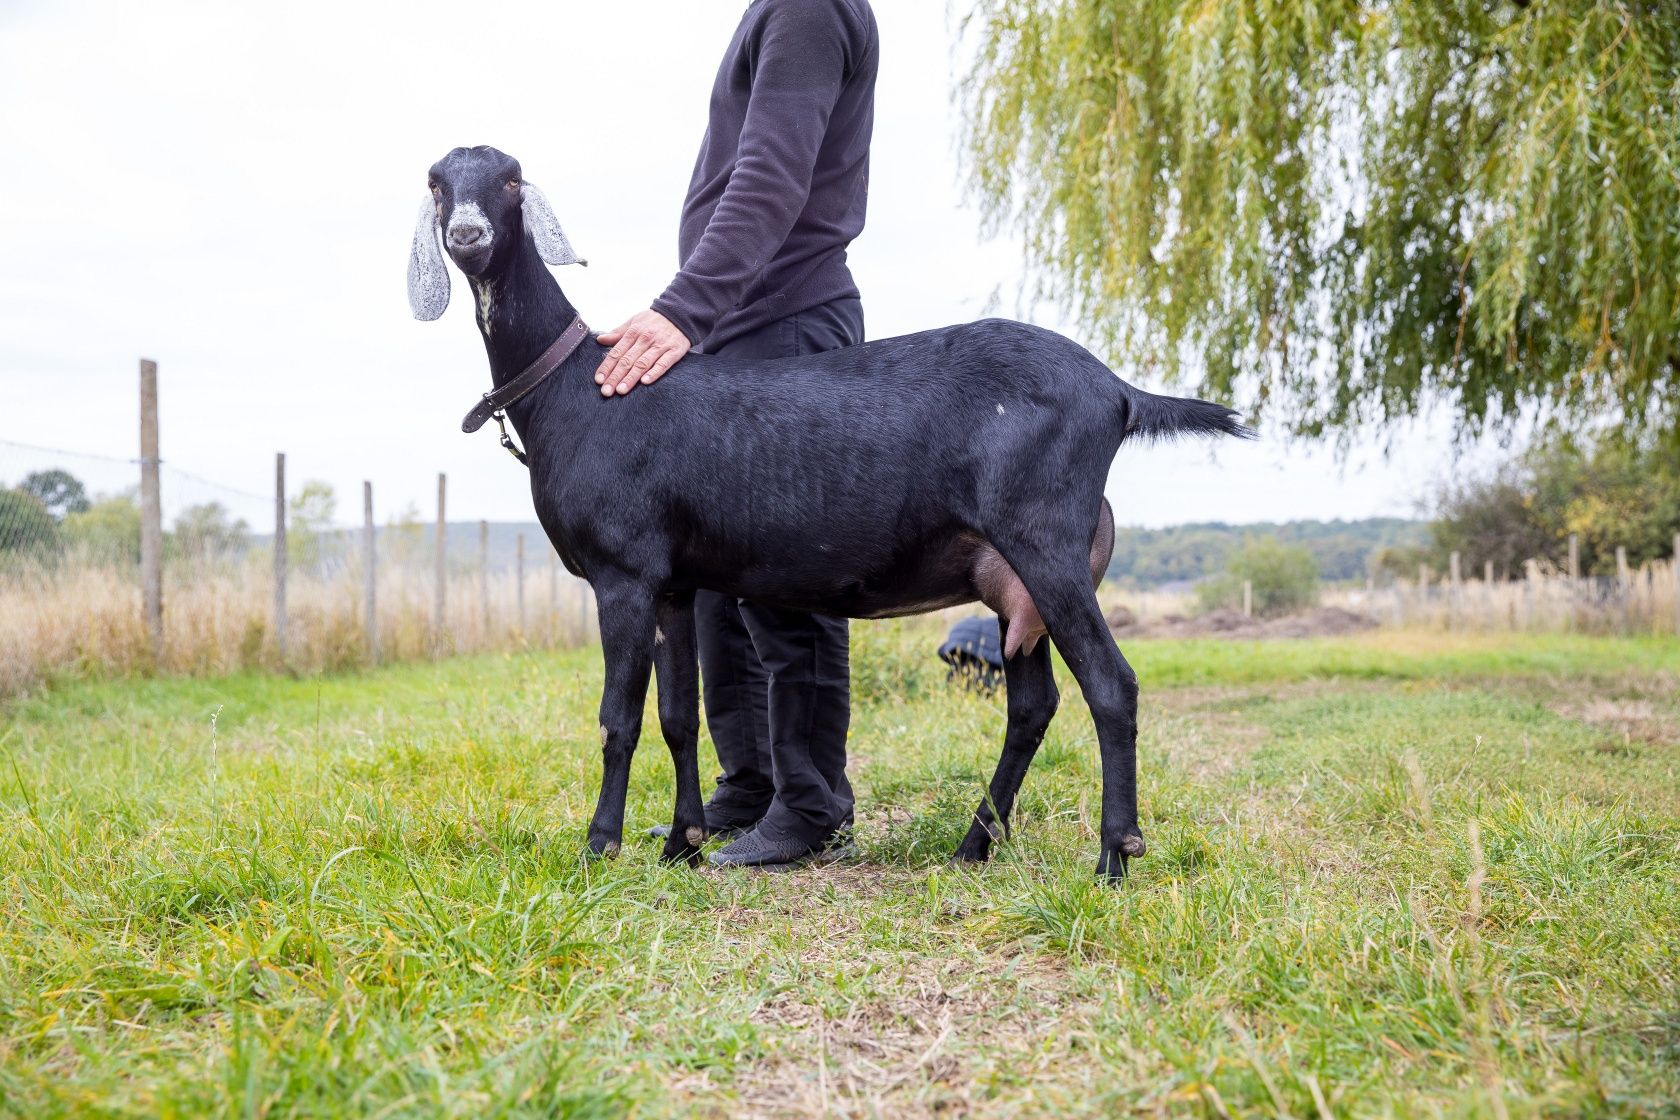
1119	618
1320	622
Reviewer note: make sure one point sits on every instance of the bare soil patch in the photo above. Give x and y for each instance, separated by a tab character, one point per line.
925	1050
1628	721
1320	622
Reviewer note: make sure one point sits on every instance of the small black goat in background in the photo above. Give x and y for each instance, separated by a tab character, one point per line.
891	478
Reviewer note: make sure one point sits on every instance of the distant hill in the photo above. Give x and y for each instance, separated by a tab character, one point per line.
1185	553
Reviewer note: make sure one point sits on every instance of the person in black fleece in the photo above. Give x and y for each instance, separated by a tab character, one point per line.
778	193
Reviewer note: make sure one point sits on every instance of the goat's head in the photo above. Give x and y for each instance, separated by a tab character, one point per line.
478	207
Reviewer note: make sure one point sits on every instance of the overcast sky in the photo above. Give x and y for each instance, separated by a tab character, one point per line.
230	189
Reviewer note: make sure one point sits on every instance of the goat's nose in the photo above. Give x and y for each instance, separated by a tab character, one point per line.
465	235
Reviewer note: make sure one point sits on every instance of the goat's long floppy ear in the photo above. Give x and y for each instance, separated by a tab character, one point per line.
552	245
428	276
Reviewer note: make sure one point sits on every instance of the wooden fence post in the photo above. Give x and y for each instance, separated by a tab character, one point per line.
1574	557
1531	569
370	560
553	596
1675	563
440	577
1624	587
1248	598
484	578
1456	573
151	511
1423	589
519	579
280	554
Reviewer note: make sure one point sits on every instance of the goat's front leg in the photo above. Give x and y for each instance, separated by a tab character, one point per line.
677	662
626	613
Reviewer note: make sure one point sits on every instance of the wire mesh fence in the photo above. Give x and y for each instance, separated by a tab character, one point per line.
350	590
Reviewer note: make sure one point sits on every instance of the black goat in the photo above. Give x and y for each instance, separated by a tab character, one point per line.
885	479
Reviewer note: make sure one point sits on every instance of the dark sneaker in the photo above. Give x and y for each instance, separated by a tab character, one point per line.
722	822
769	848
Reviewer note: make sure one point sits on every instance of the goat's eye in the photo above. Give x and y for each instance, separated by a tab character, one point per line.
513	184
433	187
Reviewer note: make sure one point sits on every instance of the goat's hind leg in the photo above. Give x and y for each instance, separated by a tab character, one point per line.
676	661
1060	586
1032	700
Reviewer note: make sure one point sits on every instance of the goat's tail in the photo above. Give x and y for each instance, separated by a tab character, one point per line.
1152	416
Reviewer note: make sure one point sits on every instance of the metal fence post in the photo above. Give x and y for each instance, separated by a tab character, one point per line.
151	511
280	554
370	560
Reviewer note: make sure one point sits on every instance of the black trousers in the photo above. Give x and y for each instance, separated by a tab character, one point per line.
778	683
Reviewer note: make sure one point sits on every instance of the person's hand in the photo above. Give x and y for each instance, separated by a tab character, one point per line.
643	348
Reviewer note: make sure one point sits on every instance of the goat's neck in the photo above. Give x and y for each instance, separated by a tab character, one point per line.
520	312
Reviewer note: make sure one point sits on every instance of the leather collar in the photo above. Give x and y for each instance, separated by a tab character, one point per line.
529	378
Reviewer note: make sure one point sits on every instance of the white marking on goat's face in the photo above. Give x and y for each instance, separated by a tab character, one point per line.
465	220
658	636
1000	410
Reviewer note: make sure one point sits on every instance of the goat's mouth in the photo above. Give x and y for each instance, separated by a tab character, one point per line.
471	259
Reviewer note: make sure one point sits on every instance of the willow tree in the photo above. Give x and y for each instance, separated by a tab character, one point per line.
1341	213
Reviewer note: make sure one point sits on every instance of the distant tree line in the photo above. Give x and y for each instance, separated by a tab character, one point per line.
1339	550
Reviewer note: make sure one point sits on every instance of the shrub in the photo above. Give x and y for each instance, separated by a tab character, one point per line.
108	531
1285	579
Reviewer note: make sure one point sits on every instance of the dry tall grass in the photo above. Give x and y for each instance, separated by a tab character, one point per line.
84	620
1645	601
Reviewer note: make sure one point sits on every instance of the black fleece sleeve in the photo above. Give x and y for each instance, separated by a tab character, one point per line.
799	66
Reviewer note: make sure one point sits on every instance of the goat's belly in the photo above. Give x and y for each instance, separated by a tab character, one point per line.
918	601
914	582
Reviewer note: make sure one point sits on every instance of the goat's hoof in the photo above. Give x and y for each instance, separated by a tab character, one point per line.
603	847
1112	865
689	857
683	846
975	848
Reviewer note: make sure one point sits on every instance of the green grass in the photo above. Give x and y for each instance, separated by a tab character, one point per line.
1398	875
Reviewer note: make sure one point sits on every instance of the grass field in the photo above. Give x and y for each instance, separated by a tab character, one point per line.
1404	875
